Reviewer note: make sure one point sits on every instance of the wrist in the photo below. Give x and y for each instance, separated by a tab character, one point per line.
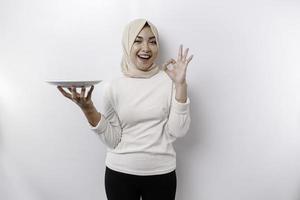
181	92
181	85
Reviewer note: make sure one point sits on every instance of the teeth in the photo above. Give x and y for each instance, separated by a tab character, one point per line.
144	56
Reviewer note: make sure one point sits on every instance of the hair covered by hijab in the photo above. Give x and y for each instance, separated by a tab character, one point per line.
130	32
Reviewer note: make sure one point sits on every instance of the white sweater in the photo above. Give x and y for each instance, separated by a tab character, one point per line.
140	120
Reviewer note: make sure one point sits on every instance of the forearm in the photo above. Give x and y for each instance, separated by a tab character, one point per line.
181	92
179	118
91	114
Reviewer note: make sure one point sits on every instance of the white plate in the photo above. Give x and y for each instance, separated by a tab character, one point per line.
70	83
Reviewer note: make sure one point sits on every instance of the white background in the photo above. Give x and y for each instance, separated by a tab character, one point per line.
244	84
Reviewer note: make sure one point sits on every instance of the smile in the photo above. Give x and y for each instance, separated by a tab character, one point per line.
144	57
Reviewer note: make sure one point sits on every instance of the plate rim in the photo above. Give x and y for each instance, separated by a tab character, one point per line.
77	83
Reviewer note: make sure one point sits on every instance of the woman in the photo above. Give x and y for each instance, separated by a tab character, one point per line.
144	112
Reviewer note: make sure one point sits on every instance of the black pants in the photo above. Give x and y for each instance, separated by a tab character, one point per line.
121	186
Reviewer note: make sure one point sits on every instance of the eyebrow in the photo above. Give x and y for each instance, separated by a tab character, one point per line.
139	37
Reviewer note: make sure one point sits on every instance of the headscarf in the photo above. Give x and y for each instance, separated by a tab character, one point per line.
131	31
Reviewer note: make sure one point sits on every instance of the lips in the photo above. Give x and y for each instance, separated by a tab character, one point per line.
144	56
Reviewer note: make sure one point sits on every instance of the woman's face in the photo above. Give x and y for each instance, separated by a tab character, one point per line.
144	49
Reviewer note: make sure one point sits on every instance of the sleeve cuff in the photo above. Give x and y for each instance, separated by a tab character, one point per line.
181	107
100	127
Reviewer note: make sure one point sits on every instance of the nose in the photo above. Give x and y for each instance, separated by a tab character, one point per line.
145	47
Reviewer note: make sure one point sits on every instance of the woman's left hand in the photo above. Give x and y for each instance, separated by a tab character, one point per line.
178	72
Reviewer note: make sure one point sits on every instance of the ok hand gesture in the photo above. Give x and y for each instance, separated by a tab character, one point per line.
178	72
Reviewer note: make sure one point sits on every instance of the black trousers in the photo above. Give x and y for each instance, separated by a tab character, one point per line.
121	186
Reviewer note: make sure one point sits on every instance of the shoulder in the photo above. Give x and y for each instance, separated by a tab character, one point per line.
113	83
165	75
165	78
112	87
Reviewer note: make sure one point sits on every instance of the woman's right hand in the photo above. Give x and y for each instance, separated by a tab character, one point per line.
78	98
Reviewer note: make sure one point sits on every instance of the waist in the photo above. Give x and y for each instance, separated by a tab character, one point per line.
141	163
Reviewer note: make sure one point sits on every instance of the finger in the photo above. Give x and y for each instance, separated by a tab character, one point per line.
90	93
61	89
190	58
82	92
185	53
64	92
74	93
180	52
165	66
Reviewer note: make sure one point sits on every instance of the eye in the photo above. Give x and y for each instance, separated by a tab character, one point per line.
153	42
138	41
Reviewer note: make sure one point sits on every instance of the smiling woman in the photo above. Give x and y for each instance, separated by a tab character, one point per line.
144	112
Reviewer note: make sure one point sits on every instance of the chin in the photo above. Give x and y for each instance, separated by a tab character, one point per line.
144	67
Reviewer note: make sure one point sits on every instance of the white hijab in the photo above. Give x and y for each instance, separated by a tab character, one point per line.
130	33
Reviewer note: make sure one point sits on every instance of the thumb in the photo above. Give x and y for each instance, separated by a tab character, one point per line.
90	93
165	66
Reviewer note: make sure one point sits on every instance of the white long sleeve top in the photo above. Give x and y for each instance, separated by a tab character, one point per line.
140	120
